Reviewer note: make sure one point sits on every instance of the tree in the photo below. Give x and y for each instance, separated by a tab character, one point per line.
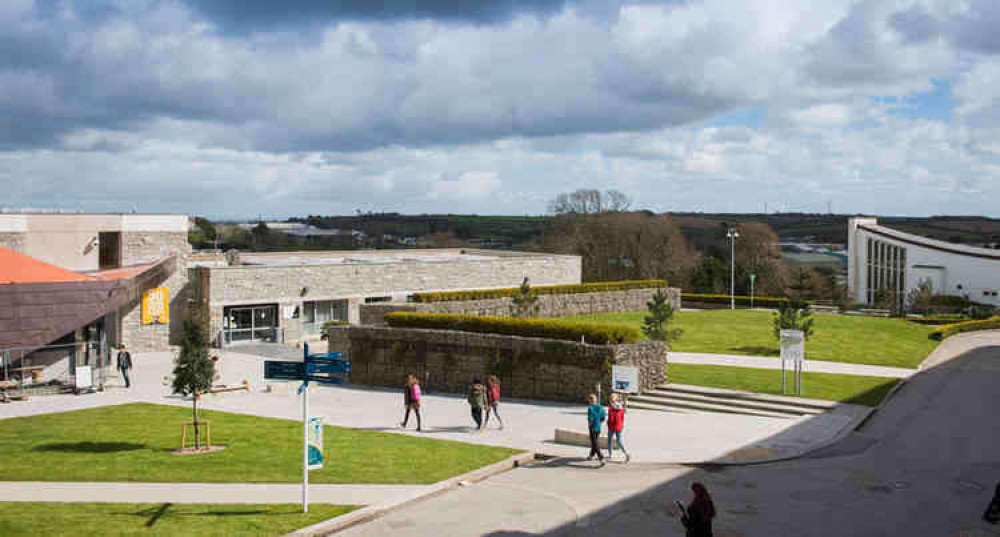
918	300
710	276
193	369
203	233
656	325
525	302
589	201
793	315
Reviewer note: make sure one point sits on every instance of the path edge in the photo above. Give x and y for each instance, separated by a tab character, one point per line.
371	512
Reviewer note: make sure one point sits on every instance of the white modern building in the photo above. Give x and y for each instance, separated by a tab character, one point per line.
881	258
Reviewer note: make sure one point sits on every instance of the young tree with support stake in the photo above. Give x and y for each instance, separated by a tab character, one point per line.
193	370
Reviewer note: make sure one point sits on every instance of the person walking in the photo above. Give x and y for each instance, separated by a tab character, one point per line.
697	518
616	424
493	399
124	360
411	400
595	419
477	401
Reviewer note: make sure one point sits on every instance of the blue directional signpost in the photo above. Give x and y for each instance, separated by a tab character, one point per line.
319	367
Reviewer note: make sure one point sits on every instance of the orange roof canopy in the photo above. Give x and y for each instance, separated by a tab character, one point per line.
20	268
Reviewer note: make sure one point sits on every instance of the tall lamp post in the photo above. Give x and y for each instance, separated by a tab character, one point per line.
732	234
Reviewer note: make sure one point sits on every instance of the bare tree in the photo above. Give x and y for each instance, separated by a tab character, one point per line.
589	201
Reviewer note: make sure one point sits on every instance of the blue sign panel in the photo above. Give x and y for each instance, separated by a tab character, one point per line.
325	356
284	370
324	367
326	380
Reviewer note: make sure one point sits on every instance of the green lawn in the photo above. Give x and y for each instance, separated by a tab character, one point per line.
38	518
853	389
133	443
838	338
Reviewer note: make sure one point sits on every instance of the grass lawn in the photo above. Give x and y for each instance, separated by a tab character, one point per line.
41	518
853	389
837	338
133	443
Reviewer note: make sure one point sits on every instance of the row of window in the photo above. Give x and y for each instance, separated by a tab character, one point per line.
886	271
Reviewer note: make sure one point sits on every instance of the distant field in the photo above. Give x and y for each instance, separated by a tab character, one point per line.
838	338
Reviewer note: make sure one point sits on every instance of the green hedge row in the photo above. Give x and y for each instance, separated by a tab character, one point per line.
937	320
594	333
945	331
483	294
761	301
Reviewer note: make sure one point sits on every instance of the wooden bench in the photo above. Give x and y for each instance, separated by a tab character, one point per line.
34	370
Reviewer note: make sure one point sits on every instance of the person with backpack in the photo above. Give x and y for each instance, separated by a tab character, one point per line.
616	424
411	400
493	399
595	419
477	401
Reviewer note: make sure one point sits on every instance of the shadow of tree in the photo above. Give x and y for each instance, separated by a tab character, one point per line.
157	512
90	447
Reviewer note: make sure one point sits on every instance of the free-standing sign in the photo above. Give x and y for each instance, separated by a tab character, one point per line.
793	345
84	378
315	443
156	306
625	378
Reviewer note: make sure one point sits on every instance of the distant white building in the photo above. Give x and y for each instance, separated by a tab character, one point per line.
881	258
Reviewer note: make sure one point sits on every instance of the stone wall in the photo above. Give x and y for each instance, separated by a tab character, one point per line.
530	368
12	241
147	247
548	305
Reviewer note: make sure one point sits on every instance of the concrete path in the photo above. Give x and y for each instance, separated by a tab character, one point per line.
772	362
205	493
926	464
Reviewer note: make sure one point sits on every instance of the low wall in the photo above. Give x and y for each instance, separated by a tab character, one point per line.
531	368
548	305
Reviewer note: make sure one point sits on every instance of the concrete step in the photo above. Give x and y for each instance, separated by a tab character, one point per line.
817	404
634	403
668	396
668	404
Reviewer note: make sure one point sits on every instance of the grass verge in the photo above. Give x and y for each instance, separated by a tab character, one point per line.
838	338
854	389
133	443
161	519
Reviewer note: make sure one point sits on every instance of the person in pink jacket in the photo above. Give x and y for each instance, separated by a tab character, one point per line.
616	424
411	400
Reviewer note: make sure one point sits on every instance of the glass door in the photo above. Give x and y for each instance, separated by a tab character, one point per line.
265	323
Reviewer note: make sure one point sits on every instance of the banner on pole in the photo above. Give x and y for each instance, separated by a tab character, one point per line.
315	443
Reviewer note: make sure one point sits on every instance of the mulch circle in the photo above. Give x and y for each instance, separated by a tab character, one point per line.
199	451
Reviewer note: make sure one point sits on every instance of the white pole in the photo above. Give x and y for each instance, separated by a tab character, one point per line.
305	448
732	270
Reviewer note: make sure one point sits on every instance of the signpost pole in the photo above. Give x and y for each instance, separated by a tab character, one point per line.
782	375
305	446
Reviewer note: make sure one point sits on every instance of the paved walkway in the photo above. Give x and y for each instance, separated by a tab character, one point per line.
772	362
206	493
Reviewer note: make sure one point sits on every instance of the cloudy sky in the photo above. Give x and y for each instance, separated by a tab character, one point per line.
233	108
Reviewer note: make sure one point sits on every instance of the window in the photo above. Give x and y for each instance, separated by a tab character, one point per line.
374	299
314	314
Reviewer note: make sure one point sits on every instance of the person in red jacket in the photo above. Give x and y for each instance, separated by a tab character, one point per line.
493	399
616	424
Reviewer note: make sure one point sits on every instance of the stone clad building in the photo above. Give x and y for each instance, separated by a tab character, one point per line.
289	296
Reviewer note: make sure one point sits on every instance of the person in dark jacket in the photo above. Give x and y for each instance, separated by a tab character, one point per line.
698	517
477	401
124	364
493	399
411	400
595	419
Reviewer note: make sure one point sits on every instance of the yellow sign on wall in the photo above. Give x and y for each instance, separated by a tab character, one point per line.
156	306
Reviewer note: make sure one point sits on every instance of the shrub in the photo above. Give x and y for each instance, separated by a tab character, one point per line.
937	320
595	333
762	301
508	292
945	331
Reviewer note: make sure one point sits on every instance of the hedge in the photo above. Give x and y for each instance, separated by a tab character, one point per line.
945	331
594	333
762	301
506	292
937	320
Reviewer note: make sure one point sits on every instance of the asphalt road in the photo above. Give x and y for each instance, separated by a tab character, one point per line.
926	464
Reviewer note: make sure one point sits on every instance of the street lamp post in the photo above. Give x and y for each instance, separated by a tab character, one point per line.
732	234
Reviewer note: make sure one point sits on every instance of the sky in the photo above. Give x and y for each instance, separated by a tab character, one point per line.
240	108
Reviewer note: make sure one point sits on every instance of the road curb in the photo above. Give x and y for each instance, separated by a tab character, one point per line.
366	514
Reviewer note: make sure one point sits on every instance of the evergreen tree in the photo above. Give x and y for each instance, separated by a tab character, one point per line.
656	325
793	315
525	301
193	369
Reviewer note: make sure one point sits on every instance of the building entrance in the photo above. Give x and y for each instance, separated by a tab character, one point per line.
250	323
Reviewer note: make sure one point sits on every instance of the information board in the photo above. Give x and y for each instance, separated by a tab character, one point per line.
315	443
625	379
